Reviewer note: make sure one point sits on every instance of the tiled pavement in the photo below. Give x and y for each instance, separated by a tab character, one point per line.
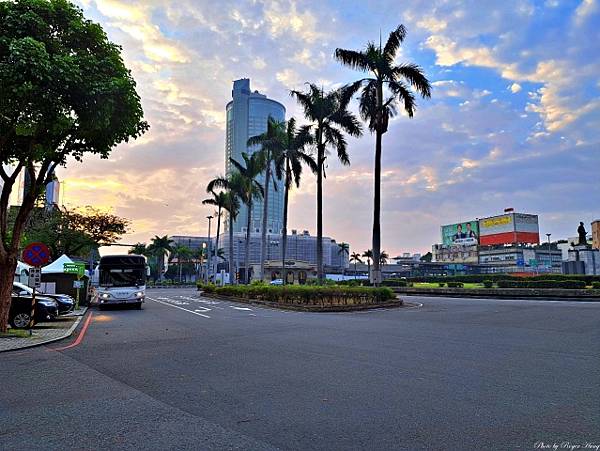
44	332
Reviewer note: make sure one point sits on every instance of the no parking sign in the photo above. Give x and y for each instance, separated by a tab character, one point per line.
36	254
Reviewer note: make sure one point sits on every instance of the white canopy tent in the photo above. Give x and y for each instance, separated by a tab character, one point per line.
57	266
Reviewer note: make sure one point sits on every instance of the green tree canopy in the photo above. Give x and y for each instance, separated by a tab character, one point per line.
64	92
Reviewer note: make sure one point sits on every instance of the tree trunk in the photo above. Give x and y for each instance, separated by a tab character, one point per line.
285	218
232	279
263	241
8	264
217	243
320	157
247	256
377	191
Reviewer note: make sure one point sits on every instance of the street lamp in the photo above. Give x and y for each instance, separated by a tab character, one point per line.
549	254
208	260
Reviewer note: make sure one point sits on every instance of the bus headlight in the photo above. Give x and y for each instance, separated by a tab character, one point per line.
105	295
139	294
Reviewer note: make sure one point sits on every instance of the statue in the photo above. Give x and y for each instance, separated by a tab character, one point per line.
582	235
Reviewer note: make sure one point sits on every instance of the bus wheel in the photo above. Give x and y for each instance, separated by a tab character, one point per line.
138	306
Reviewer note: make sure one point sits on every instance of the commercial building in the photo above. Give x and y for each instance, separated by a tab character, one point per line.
301	247
596	234
247	116
506	243
193	242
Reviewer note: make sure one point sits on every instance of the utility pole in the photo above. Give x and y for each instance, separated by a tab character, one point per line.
208	258
549	254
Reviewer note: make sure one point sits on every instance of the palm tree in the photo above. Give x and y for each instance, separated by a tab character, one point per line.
288	166
383	258
355	257
160	248
233	187
138	249
244	182
182	252
218	200
329	118
377	110
272	144
343	248
368	254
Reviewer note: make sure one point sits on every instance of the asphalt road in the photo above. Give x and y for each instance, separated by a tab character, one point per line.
191	373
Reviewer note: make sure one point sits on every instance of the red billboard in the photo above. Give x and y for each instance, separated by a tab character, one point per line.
509	228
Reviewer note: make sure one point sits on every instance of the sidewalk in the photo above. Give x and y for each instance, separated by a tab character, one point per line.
43	333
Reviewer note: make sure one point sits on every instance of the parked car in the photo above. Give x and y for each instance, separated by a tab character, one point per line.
19	315
276	282
66	303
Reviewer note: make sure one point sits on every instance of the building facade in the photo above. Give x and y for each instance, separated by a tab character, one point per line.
596	234
300	247
247	115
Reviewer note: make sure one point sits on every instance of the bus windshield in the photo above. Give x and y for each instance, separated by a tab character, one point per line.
122	277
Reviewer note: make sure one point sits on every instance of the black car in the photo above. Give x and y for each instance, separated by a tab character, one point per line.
19	315
66	303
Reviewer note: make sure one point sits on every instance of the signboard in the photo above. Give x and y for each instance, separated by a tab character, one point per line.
74	268
78	284
462	233
36	254
496	224
35	277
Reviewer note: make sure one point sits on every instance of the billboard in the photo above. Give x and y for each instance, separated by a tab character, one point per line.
509	228
462	233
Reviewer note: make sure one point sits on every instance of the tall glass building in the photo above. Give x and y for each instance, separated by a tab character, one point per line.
247	116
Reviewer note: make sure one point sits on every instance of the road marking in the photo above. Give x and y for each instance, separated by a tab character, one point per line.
241	308
176	306
80	336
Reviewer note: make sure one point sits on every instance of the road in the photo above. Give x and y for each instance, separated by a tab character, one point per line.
191	373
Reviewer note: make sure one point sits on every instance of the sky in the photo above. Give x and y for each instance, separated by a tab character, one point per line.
512	122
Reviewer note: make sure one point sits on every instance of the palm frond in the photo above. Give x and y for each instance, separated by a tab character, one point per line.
415	77
351	58
393	43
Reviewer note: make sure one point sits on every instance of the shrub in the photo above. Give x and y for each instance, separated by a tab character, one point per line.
596	285
310	295
488	284
441	284
455	285
394	283
207	287
568	284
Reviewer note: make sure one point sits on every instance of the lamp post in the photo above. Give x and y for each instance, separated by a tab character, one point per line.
549	254
209	257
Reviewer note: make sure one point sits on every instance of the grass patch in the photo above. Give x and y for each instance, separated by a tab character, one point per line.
16	333
437	285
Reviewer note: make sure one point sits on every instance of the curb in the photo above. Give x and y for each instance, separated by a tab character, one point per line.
67	334
507	296
300	308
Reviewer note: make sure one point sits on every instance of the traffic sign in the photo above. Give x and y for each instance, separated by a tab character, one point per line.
35	277
36	254
74	268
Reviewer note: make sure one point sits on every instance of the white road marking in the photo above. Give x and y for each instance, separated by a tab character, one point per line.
241	308
176	306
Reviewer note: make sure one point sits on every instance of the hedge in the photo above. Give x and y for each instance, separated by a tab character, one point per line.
312	295
480	278
570	284
596	285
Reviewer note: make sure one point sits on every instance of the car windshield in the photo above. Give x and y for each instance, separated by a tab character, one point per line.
122	277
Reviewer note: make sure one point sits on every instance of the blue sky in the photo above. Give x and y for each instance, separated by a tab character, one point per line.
513	119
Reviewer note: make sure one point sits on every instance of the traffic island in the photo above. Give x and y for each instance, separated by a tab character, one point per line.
306	298
42	333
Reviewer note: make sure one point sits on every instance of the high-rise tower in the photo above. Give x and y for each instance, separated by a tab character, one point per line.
247	116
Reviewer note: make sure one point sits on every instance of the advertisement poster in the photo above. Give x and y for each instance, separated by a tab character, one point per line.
462	233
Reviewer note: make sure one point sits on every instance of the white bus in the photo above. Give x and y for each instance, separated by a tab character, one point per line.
121	280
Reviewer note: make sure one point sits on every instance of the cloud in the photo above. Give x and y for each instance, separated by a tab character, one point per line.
472	140
515	87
